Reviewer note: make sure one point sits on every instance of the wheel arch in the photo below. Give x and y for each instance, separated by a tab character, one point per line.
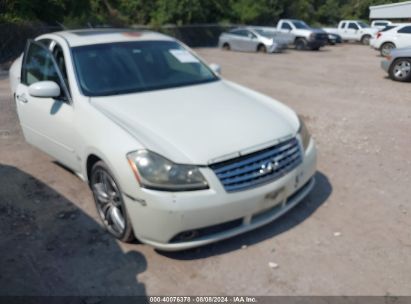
386	42
91	160
260	44
299	37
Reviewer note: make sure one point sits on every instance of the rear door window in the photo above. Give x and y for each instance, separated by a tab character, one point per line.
405	30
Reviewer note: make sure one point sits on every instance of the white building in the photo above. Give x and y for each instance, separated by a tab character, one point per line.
401	10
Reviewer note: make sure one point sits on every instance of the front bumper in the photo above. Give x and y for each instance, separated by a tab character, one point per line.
158	217
314	44
385	65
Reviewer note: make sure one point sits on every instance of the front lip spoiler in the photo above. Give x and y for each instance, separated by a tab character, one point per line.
303	192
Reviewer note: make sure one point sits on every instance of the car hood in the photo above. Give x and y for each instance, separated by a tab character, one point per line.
318	31
200	124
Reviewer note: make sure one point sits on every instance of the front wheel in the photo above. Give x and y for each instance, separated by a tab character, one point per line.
262	49
109	203
301	44
386	48
401	70
226	47
366	39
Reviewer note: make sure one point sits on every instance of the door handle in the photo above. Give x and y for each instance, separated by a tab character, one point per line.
22	98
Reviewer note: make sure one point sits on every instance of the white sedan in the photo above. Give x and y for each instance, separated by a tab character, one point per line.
394	36
175	155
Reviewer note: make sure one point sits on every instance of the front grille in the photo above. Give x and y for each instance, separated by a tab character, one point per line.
258	168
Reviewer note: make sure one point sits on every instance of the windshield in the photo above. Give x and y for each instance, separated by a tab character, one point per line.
126	67
300	25
362	24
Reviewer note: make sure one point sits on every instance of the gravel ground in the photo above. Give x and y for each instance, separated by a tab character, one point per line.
351	236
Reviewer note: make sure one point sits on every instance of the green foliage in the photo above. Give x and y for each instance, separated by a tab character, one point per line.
159	12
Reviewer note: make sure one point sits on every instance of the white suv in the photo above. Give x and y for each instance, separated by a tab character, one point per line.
393	36
174	154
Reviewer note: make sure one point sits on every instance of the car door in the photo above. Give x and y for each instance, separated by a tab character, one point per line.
352	31
47	123
235	40
403	37
250	41
242	40
286	27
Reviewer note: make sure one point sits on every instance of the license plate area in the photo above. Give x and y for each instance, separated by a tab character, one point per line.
273	198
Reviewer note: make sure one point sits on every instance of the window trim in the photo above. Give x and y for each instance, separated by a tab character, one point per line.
63	85
52	46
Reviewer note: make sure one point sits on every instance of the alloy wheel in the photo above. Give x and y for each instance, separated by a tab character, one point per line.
402	70
108	202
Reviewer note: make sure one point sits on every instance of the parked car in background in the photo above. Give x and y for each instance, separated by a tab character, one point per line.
174	155
380	24
353	30
333	39
305	36
398	64
254	39
374	39
392	37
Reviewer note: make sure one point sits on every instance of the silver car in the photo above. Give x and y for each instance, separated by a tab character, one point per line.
398	64
254	39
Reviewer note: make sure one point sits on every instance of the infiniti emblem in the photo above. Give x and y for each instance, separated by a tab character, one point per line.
269	167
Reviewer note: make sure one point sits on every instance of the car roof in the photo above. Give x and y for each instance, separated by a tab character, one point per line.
292	20
106	35
397	25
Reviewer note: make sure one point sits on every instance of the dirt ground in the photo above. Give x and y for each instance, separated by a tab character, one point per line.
351	236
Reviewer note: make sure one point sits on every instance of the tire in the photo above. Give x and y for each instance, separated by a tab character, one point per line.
109	203
366	39
400	70
226	47
261	48
301	44
386	48
315	48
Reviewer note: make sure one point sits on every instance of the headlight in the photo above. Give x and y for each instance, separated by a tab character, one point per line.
303	131
156	172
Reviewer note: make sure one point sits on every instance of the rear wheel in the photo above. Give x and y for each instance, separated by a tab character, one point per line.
301	43
109	203
366	39
401	70
386	48
226	47
262	48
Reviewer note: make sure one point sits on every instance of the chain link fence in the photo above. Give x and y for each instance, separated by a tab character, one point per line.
13	37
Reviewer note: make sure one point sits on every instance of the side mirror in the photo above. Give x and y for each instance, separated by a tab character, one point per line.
45	89
216	68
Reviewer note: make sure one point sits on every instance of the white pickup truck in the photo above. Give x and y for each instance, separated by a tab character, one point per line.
305	36
353	30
